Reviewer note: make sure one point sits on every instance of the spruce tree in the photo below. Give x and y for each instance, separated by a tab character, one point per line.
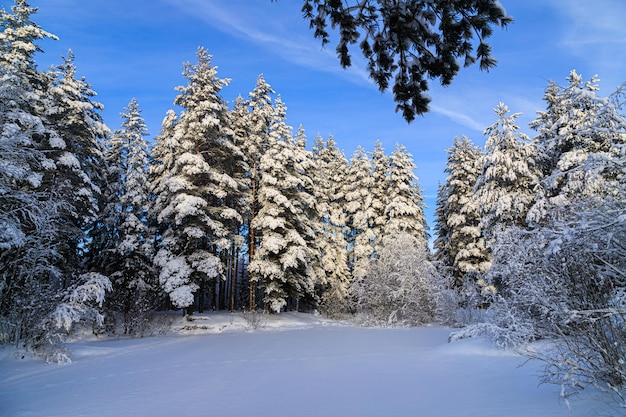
580	142
379	192
48	193
80	172
126	255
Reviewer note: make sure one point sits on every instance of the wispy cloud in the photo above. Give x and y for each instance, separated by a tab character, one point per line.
458	117
277	33
593	31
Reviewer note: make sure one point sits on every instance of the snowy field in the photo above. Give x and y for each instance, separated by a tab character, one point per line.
292	365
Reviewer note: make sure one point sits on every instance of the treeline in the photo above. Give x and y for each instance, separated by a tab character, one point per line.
227	209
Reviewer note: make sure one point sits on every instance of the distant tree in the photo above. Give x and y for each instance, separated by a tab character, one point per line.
251	129
409	42
444	252
379	192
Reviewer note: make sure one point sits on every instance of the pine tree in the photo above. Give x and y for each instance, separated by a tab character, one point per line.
251	133
379	192
407	43
405	207
461	248
330	178
187	186
442	244
361	214
78	150
283	261
126	254
505	187
580	143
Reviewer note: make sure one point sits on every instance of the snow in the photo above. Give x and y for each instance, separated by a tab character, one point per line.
293	364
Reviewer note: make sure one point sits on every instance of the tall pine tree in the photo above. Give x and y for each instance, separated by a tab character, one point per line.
461	248
286	256
194	231
505	187
330	177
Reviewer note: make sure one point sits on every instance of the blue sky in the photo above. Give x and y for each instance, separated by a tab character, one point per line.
136	49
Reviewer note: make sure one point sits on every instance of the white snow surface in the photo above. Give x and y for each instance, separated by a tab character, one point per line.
293	364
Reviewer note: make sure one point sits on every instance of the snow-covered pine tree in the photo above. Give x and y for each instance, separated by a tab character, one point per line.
29	210
29	229
194	229
461	248
580	143
442	245
35	256
251	128
330	178
379	191
18	41
126	255
361	215
505	187
80	166
283	261
405	206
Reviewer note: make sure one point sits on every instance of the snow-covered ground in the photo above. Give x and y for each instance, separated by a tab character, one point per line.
292	365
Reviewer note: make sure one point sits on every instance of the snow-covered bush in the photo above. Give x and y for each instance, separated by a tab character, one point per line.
565	281
400	286
503	324
79	305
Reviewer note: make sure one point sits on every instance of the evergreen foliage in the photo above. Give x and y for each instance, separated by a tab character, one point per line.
409	42
50	178
331	181
123	244
192	233
361	213
505	187
286	257
405	206
460	244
